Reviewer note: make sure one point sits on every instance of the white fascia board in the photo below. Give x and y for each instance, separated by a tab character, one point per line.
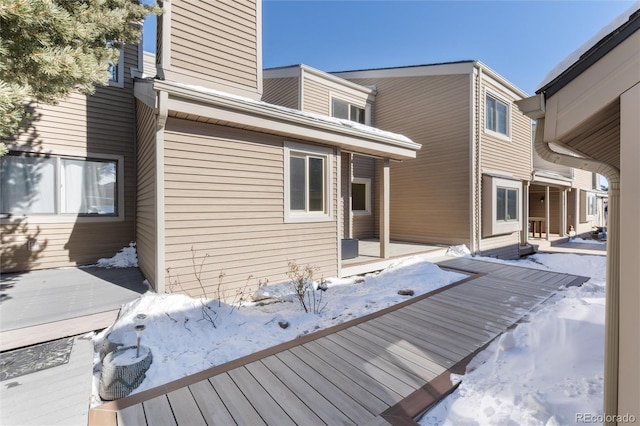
334	81
411	71
261	116
282	72
516	92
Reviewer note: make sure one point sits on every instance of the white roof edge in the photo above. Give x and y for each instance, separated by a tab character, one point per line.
502	80
294	71
318	121
411	71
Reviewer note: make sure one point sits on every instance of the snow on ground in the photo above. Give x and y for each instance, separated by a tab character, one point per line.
545	371
187	335
125	258
549	369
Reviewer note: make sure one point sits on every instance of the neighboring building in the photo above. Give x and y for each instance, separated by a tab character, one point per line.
68	185
592	108
469	182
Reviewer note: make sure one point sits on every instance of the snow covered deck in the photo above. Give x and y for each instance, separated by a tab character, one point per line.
386	367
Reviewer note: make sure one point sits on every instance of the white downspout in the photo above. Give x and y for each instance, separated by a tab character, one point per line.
612	325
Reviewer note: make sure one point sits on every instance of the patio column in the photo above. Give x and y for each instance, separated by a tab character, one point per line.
384	175
547	211
576	209
563	212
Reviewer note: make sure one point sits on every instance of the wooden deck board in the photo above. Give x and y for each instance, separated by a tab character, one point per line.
157	411
184	408
295	408
365	372
378	389
392	351
379	374
131	416
313	399
263	403
240	408
211	406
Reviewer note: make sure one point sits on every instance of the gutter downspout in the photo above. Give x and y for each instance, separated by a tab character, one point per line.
612	324
162	115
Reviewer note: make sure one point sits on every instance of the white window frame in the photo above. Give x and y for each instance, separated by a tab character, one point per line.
367	191
585	198
74	217
295	149
119	82
367	109
501	99
490	223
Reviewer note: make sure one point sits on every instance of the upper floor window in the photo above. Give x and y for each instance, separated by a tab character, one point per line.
496	115
340	109
48	185
307	183
116	71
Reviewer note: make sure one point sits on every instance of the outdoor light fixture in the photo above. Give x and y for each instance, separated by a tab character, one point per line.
542	199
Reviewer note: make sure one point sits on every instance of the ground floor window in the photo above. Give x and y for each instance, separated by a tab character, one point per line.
361	196
52	185
506	204
307	182
501	205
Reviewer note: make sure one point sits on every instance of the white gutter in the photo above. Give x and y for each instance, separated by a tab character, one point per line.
350	128
534	107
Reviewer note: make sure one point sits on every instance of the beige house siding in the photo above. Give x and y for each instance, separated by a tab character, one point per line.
224	197
430	194
499	155
317	96
501	247
146	221
216	43
282	91
100	124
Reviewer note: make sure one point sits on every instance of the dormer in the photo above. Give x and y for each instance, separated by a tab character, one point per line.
214	44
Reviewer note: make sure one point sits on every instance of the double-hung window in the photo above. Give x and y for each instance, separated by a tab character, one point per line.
345	110
116	71
496	115
307	183
506	204
36	185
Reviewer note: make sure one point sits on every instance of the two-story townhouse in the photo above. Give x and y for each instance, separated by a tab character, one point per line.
469	182
231	181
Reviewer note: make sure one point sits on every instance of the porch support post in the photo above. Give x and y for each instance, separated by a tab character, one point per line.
576	210
349	216
384	168
563	213
524	234
547	211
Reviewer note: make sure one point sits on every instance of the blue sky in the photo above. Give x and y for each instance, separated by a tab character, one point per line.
522	40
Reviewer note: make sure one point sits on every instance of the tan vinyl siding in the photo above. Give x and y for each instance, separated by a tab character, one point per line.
429	194
501	247
217	41
317	96
583	179
364	226
224	196
149	64
537	208
146	220
281	91
100	124
498	155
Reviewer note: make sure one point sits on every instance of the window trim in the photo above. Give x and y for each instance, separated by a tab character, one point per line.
585	196
119	82
73	217
505	136
490	224
293	149
367	193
